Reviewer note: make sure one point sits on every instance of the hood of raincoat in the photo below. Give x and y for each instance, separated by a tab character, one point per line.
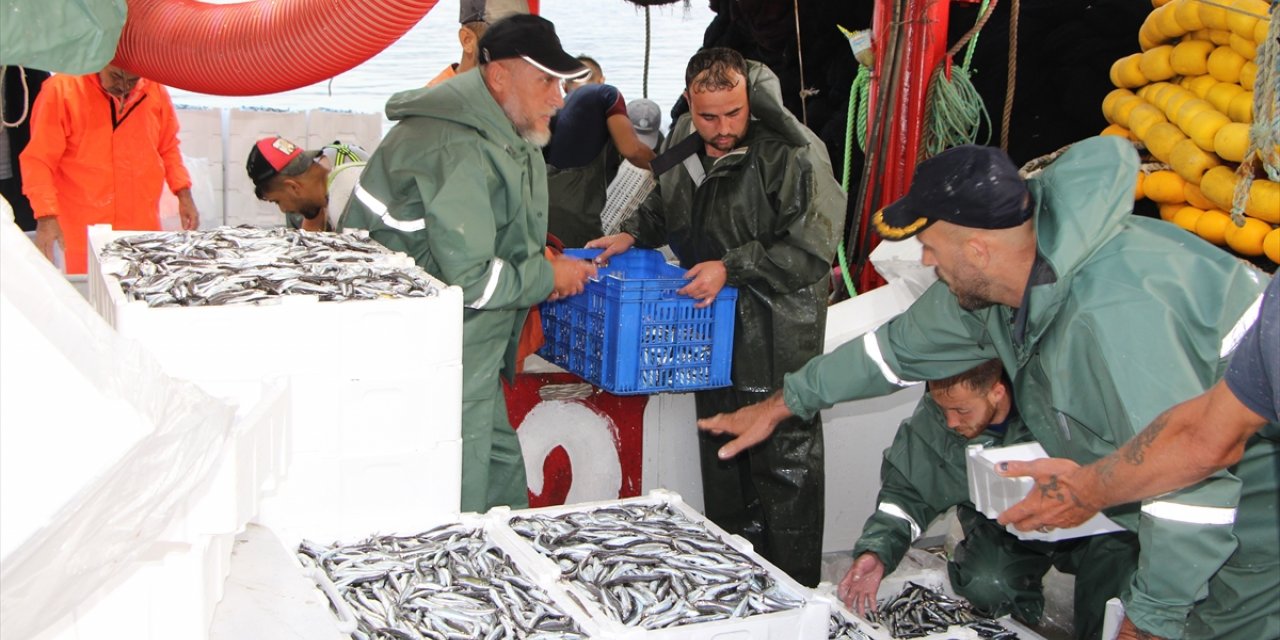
1065	239
463	100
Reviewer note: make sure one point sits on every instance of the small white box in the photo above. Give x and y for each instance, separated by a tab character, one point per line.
992	493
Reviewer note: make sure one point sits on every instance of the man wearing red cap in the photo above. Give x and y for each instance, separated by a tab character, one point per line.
460	185
102	146
311	187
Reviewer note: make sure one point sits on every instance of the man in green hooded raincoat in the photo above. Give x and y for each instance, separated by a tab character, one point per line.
459	184
1103	320
924	474
751	201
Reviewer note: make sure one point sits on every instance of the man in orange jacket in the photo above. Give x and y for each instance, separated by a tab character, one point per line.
102	146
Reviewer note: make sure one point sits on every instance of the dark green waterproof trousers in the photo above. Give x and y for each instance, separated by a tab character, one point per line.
1001	574
771	494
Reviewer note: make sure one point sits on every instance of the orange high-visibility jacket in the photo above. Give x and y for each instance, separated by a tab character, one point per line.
91	161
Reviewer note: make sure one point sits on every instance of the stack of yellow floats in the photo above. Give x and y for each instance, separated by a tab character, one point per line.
1189	98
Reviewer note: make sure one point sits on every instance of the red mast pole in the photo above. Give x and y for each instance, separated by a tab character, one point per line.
923	40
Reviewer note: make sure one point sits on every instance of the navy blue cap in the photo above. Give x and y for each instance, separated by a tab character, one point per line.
970	186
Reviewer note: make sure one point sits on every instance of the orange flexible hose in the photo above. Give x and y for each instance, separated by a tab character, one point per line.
258	47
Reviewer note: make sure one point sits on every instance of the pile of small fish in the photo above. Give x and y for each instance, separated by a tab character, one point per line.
446	583
650	566
919	611
238	265
838	628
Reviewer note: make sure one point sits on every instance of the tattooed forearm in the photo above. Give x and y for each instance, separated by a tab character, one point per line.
1135	452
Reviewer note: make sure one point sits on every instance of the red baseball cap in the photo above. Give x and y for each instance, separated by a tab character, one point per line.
277	155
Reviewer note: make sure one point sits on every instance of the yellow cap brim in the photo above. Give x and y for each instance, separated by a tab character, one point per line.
897	233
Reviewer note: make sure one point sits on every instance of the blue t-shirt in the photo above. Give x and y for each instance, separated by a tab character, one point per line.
578	131
1254	372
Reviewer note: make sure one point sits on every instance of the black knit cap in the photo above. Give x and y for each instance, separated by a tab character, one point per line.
532	38
969	185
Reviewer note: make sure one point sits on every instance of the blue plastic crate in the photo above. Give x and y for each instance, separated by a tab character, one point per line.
630	333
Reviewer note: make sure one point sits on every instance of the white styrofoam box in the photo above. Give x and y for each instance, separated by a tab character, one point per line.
825	593
250	464
328	497
400	336
992	493
372	415
324	126
169	592
200	137
806	622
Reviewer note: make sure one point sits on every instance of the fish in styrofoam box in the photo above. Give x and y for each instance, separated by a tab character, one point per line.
844	624
992	493
653	568
240	265
449	581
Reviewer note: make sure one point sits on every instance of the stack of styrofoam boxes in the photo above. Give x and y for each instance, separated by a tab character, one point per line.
807	622
173	587
375	395
992	493
309	129
200	137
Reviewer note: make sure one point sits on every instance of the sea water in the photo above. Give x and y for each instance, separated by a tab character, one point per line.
611	31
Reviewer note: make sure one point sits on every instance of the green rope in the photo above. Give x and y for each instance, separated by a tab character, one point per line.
855	125
954	112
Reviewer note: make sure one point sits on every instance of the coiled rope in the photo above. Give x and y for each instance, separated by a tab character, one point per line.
955	113
855	127
26	98
1264	133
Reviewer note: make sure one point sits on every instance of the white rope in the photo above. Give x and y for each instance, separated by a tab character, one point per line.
26	98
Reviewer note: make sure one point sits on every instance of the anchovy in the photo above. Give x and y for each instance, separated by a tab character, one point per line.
449	582
244	265
919	611
650	566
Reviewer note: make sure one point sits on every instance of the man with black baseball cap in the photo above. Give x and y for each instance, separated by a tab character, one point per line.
459	183
1103	320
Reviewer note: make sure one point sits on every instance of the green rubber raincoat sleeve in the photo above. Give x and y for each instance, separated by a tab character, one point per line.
1187	535
910	492
450	191
932	339
799	249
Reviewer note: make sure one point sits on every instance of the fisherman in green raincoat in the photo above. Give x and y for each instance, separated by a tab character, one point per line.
459	184
924	474
1103	320
752	202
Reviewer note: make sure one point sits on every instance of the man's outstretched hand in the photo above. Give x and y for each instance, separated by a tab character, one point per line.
750	425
